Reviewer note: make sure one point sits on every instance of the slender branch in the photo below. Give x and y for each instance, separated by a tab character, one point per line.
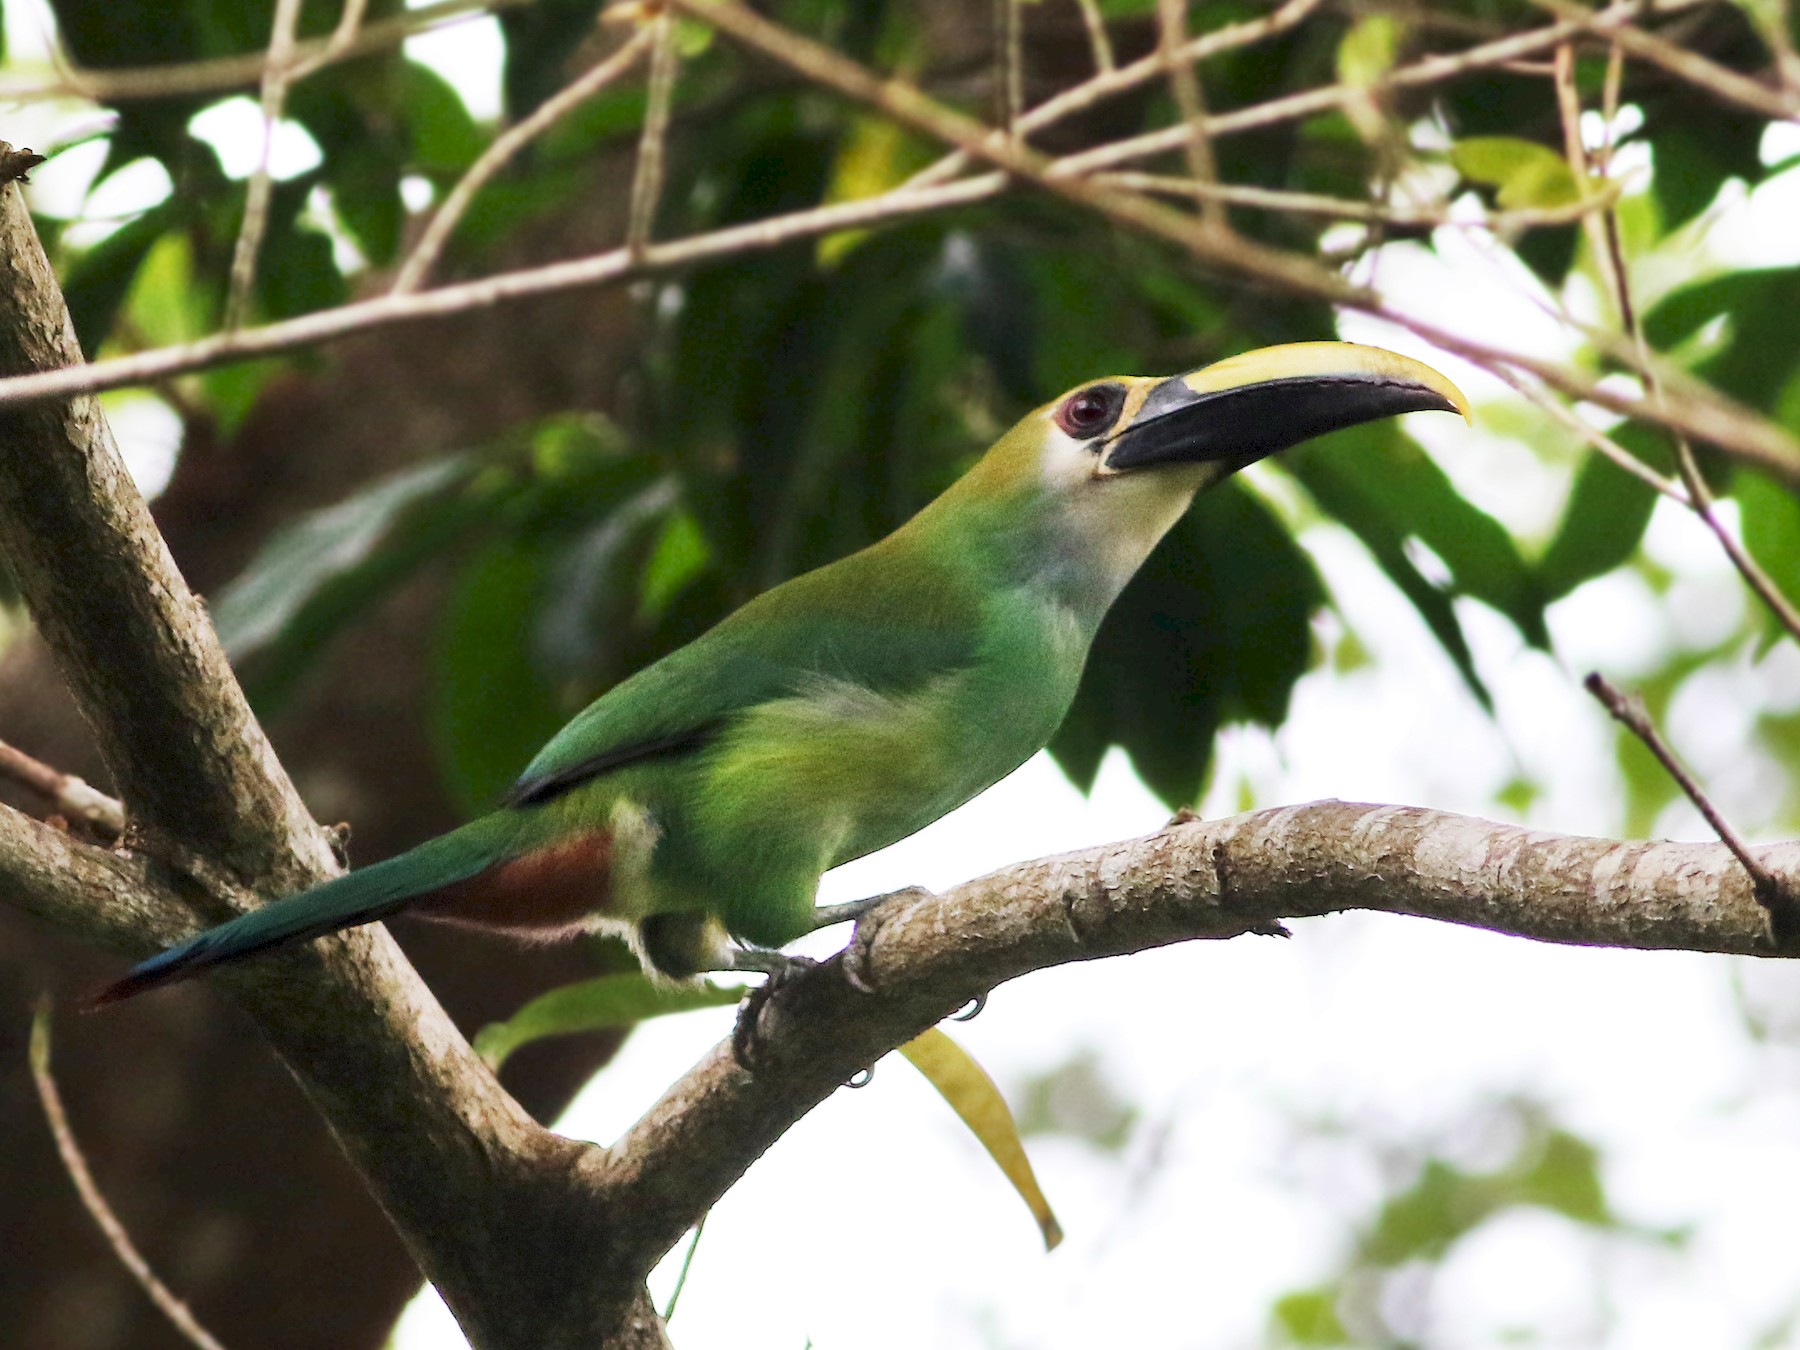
1112	81
1429	71
1200	880
1009	65
67	794
1721	82
277	71
1771	893
1098	40
508	143
1609	251
647	178
1190	102
1347	208
1209	244
92	1199
1595	439
599	269
223	73
342	39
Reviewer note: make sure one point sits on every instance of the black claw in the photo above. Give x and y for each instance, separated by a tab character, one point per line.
746	1040
973	1010
861	1078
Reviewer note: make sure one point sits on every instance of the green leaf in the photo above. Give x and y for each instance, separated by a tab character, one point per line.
1605	517
492	706
972	1095
1310	1317
1376	480
445	139
1757	360
102	277
303	558
1368	51
1215	627
1523	173
320	572
1771	525
595	1005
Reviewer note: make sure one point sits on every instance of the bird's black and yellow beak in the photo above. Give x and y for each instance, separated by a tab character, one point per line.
1236	411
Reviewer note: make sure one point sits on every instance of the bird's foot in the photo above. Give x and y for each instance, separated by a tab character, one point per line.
868	924
780	969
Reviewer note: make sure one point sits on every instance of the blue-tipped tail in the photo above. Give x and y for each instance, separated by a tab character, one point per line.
358	897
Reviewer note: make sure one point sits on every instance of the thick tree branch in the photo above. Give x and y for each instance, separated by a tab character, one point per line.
476	1188
132	641
1205	879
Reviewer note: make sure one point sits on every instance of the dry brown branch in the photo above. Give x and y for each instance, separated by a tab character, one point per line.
1594	438
508	143
1429	71
225	73
71	797
647	178
1099	42
1607	244
1721	82
611	267
1111	81
277	73
342	39
1770	892
1184	84
1347	208
94	1200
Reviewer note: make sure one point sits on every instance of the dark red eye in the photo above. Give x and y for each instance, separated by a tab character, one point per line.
1088	412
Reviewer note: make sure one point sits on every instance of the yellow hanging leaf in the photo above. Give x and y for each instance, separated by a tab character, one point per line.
973	1096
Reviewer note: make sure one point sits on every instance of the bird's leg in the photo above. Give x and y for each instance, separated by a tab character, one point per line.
859	912
852	911
780	969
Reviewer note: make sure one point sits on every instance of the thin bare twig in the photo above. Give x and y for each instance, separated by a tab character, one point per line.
613	266
1346	208
1099	42
235	72
1430	70
508	143
1190	102
1609	252
1598	440
1771	894
171	1307
277	71
71	797
349	25
1606	254
1009	65
647	180
1721	82
1114	81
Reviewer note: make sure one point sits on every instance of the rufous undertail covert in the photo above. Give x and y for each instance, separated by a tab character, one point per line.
694	807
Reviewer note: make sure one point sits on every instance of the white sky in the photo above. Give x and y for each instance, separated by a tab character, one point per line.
878	1222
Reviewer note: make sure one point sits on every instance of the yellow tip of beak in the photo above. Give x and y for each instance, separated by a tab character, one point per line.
1295	360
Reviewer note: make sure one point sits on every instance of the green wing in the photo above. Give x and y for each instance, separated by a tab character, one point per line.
886	618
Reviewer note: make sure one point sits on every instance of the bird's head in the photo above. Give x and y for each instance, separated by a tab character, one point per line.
1121	458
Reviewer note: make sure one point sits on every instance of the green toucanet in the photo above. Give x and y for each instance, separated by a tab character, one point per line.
698	802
